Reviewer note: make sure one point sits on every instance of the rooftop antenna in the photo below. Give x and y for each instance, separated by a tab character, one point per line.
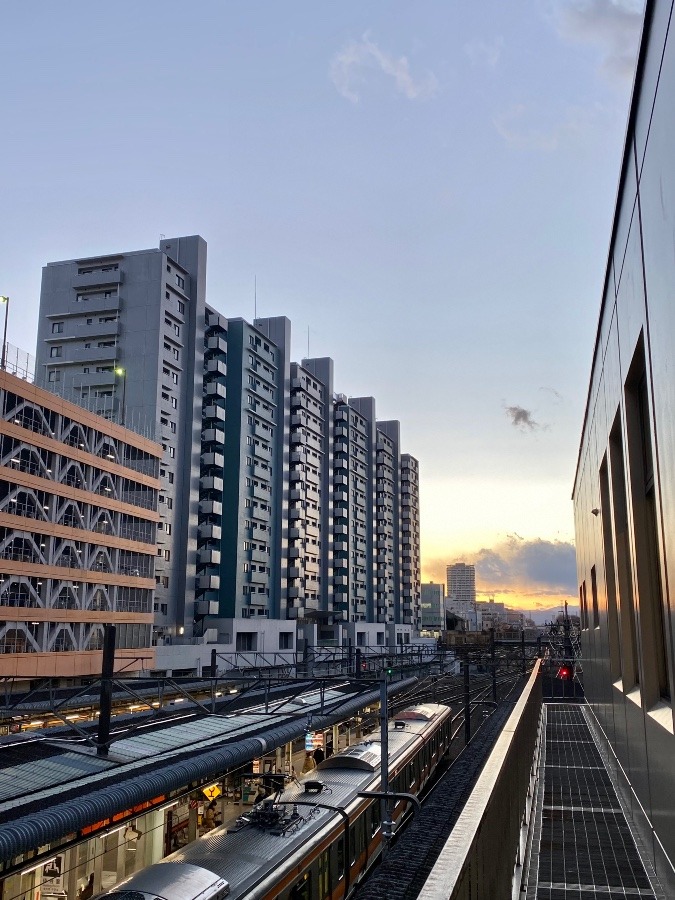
255	298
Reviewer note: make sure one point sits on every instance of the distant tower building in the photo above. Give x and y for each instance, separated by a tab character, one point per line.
432	607
461	582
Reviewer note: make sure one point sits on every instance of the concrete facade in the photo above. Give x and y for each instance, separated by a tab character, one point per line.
624	488
432	607
78	520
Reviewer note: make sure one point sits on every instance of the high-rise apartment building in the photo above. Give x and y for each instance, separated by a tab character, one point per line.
410	540
279	499
461	583
124	335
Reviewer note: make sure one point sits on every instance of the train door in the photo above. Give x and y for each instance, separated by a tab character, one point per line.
302	889
324	882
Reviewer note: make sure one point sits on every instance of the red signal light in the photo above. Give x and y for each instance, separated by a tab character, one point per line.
565	672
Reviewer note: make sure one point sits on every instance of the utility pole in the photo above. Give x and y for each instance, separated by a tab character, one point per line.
105	703
384	763
467	704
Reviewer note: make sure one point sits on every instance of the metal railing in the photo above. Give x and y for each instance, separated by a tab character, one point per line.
483	855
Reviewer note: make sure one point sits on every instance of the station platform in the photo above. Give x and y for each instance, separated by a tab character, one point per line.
583	843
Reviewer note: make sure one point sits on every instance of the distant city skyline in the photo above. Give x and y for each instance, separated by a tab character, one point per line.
427	191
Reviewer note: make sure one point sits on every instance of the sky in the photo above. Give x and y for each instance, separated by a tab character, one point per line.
425	189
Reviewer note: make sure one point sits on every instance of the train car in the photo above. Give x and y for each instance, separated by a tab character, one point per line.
317	838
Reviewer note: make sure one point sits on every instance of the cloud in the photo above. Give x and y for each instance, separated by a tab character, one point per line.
518	571
555	396
525	128
351	65
612	25
521	418
485	53
538	566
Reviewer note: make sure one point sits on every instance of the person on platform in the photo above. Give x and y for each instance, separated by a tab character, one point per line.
319	755
309	763
88	890
210	816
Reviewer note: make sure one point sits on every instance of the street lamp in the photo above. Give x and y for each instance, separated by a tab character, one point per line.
4	300
121	373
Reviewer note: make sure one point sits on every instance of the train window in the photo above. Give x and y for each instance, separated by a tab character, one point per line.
302	890
375	820
340	858
324	875
352	845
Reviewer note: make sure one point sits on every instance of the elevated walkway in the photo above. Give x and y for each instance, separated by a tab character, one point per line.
544	819
583	845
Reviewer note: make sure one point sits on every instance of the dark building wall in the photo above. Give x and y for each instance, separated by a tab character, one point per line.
624	491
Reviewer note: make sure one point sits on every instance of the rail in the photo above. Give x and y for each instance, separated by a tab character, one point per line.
483	854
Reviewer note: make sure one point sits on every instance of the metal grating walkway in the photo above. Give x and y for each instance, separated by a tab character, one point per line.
582	847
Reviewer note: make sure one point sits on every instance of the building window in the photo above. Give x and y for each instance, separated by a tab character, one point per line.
57	327
55	352
174	377
181	307
176	353
176	330
174	402
172	452
285	640
54	375
180	282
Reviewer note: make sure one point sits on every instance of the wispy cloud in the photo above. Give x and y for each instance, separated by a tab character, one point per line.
612	25
525	128
521	418
351	66
485	53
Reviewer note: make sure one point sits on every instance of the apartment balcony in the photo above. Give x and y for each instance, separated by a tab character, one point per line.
297	532
298	456
296	494
207	607
340	463
211	483
208	582
97	279
312	496
295	476
215	460
297	401
296	384
261	452
213	413
216	343
213	436
297	439
294	552
258	577
208	557
342	415
297	419
210	508
295	514
340	563
340	480
215	389
293	594
340	529
208	532
341	432
258	556
216	368
260	493
295	571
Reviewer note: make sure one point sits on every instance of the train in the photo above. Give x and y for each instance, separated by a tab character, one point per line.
317	838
